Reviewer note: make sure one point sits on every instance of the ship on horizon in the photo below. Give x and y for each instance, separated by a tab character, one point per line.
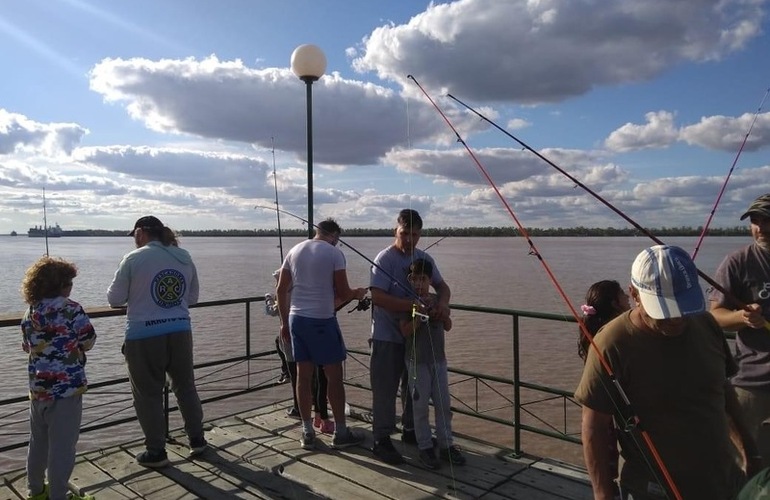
54	231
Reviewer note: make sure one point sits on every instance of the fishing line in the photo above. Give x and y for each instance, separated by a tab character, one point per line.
277	213
271	306
609	205
533	250
729	173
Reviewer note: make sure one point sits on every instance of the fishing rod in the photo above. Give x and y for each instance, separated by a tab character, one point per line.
634	419
277	213
435	243
708	279
407	289
729	173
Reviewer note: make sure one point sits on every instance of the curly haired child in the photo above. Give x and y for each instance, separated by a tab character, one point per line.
56	332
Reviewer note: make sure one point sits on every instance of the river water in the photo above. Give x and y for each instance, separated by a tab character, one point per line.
493	272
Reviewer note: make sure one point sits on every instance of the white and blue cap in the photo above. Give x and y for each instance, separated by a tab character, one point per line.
667	281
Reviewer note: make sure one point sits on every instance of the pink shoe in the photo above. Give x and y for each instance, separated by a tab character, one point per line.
324	426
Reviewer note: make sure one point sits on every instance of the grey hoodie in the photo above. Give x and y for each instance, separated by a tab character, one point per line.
157	283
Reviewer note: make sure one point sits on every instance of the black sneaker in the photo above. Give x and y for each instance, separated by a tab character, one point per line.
452	455
152	458
428	459
346	440
409	437
384	450
198	446
307	441
292	413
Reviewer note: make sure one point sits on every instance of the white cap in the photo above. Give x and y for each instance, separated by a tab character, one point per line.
667	281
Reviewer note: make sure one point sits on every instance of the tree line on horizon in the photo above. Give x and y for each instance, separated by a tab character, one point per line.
451	231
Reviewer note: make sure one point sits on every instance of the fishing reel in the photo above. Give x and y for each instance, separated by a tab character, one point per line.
271	306
424	318
362	305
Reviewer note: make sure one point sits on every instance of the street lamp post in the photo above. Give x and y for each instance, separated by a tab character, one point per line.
308	62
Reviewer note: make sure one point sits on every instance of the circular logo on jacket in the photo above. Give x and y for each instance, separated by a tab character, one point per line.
168	288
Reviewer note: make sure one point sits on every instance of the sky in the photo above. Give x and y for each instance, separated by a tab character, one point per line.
189	110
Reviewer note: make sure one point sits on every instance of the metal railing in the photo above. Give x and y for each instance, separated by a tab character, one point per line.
509	413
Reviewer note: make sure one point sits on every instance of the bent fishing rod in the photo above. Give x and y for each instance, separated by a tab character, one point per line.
729	173
708	279
634	419
435	243
407	289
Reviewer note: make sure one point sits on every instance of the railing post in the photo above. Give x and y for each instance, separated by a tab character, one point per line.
248	329
248	344
516	390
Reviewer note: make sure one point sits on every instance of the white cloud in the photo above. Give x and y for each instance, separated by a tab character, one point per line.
545	51
723	133
518	123
20	134
236	174
658	132
353	122
727	133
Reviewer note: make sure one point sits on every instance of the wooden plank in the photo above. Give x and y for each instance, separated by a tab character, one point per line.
254	480
90	479
196	479
487	465
556	485
235	439
519	491
6	493
359	466
17	483
278	408
256	454
563	469
149	483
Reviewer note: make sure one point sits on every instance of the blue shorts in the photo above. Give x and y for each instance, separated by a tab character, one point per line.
316	340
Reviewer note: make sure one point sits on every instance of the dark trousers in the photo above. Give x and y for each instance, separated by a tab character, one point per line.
387	371
149	361
320	402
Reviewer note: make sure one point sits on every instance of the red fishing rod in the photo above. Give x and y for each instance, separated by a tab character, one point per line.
634	419
708	279
729	173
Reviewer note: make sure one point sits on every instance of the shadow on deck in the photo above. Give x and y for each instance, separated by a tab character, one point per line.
256	454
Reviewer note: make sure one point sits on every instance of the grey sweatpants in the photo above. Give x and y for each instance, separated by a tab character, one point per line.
54	431
386	371
149	360
432	383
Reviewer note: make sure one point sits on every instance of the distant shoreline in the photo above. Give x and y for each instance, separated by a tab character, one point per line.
479	232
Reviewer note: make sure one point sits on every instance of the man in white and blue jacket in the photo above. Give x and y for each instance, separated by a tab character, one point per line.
157	282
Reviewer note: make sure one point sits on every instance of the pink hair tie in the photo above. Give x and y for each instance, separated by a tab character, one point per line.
588	310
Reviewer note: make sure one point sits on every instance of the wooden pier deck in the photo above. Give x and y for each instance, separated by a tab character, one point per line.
256	454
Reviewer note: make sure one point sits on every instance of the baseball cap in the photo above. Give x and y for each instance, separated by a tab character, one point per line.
667	281
148	221
760	206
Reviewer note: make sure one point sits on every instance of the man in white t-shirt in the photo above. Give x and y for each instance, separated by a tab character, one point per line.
312	276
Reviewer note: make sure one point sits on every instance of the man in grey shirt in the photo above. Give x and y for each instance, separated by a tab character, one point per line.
392	297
